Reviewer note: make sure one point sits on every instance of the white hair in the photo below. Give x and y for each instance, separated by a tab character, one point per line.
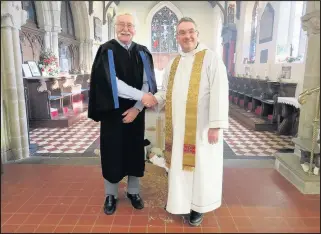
127	13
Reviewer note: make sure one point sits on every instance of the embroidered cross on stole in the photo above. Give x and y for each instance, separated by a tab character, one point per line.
189	147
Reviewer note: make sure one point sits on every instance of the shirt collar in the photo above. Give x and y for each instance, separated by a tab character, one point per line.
123	45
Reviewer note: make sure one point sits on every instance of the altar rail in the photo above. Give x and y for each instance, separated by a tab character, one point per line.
254	102
56	101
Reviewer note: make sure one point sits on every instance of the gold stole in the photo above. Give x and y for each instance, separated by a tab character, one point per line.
191	113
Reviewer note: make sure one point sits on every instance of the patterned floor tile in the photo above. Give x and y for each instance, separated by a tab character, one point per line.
245	142
74	139
80	136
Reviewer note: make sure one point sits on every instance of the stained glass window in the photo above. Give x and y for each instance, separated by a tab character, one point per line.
254	32
230	13
163	28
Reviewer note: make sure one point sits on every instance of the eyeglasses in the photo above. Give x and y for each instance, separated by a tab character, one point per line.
123	25
190	32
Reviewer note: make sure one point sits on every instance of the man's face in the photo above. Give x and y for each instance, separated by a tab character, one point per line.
125	28
187	36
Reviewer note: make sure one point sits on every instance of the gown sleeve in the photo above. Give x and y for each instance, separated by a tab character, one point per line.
103	94
218	86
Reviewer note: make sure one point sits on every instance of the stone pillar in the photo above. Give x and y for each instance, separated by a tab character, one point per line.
89	55
81	55
54	41
287	164
12	17
47	37
85	56
310	24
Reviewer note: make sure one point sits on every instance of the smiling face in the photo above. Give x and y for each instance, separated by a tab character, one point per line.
125	28
187	36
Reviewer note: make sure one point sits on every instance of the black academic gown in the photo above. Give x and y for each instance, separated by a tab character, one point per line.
121	144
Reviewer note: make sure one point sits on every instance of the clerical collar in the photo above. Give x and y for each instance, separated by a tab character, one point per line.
198	48
124	45
192	49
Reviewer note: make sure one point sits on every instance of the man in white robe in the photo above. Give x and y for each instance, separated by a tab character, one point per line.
195	90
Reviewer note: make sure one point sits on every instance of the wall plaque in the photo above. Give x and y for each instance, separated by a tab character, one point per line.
286	72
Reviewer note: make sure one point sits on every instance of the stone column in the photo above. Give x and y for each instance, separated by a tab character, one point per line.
12	17
81	55
85	56
310	24
56	27
47	37
89	55
54	40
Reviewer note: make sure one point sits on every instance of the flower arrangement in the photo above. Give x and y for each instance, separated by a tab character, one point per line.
48	63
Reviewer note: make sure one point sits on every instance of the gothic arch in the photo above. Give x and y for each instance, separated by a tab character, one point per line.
248	12
154	10
55	7
32	33
254	32
43	16
111	17
81	20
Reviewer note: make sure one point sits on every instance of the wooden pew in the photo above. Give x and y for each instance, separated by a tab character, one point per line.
256	97
287	116
83	80
45	98
248	94
38	98
55	93
239	94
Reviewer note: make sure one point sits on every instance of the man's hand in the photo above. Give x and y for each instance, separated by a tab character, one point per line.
213	135
149	100
130	115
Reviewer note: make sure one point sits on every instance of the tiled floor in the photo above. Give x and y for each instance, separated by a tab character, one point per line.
246	142
81	137
65	198
75	139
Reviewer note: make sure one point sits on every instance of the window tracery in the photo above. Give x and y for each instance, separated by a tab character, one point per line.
68	45
253	33
163	31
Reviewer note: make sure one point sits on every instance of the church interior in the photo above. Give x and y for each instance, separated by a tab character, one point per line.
50	162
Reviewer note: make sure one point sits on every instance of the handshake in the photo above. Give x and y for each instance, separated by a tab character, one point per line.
149	100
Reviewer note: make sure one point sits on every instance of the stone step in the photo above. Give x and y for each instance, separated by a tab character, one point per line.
306	144
288	165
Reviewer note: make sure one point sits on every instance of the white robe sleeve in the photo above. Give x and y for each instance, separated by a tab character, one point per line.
219	104
161	94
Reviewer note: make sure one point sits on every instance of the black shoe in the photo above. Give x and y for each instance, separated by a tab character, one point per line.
110	205
136	201
195	218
